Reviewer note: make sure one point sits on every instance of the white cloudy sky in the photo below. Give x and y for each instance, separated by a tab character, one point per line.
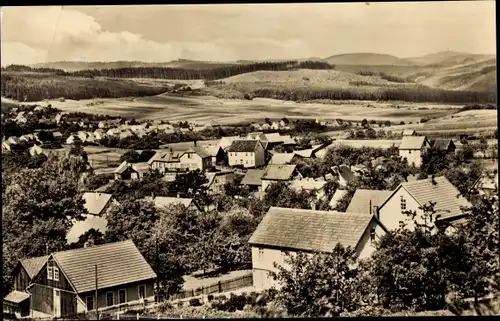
232	32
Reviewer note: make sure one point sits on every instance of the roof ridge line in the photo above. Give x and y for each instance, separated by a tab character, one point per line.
90	247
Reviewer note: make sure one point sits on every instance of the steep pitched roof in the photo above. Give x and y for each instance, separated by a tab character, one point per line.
281	158
162	201
345	172
309	230
96	202
412	142
253	177
337	196
288	140
447	197
34	265
225	142
79	228
279	172
240	146
307	184
257	136
123	167
197	150
79	265
212	150
274	138
360	202
443	144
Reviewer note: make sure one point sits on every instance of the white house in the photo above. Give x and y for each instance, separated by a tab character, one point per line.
192	159
279	173
410	196
412	148
287	230
246	153
35	150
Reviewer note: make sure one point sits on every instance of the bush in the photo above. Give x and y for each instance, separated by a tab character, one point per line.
210	297
165	306
194	302
424	120
402	123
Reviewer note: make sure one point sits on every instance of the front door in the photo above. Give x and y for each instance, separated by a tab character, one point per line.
57	303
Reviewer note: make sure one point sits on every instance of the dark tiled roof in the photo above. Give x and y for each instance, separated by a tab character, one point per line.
239	146
253	177
279	172
443	193
117	264
443	144
309	230
33	265
360	202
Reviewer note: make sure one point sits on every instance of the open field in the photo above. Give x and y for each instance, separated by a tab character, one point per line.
203	109
99	156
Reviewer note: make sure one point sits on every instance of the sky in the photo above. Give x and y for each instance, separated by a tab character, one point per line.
162	33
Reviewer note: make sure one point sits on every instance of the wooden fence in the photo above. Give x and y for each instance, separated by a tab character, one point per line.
219	287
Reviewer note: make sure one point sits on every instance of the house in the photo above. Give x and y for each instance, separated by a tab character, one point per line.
409	196
91	137
35	150
163	201
284	123
13	140
216	153
260	137
367	201
225	142
246	153
6	146
337	196
287	230
446	145
125	171
487	185
66	283
194	158
256	126
217	180
253	179
125	134
72	139
97	203
113	132
409	132
312	152
99	134
82	135
266	126
58	118
279	173
57	135
310	185
17	302
21	118
344	175
412	148
27	138
273	139
283	158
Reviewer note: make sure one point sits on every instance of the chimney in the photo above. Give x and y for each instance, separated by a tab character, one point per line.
178	195
195	143
370	207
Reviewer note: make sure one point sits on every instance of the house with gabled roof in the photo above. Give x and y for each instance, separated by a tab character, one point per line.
246	153
225	142
66	283
126	170
367	201
409	196
259	136
289	231
283	158
217	180
17	301
343	174
216	153
446	145
165	201
253	179
310	185
412	148
279	173
194	158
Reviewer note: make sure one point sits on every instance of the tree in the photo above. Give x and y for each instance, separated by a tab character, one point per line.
364	123
130	156
323	284
91	237
370	133
280	195
414	266
39	207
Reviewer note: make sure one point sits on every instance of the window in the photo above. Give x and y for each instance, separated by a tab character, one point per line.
261	253
90	303
246	162
241	161
122	298
56	274
110	298
49	272
246	154
372	235
403	203
141	289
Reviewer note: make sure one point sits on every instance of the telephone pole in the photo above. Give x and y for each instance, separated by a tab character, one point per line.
96	301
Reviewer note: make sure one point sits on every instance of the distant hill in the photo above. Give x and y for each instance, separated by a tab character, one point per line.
449	58
372	59
83	65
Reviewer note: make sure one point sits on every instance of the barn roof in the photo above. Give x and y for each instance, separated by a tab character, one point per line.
360	202
253	177
279	172
281	158
111	259
309	230
96	202
34	265
443	144
412	142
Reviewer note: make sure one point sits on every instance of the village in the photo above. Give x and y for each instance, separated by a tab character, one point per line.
335	207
